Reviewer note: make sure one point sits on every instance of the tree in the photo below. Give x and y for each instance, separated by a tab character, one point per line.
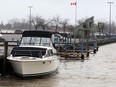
24	24
56	21
8	26
38	22
64	24
2	25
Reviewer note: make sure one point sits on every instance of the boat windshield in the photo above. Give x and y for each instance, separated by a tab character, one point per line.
42	41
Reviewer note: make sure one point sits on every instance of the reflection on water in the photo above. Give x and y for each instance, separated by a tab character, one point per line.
97	71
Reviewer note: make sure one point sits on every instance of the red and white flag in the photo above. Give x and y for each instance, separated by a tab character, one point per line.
73	3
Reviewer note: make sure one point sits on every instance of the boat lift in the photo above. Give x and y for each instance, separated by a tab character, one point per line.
83	41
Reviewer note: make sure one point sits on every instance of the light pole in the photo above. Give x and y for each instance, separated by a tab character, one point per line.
110	3
30	17
75	13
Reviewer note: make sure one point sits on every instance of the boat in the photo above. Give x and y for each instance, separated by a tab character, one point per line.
1	36
35	56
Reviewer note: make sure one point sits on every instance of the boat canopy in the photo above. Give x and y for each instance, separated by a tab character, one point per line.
37	34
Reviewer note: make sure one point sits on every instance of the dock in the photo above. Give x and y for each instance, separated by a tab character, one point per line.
80	43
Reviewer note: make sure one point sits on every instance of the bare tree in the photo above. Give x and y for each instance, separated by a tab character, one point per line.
14	22
35	22
2	25
64	24
18	23
38	21
56	21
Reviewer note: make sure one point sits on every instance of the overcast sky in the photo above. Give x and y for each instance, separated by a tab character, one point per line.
49	8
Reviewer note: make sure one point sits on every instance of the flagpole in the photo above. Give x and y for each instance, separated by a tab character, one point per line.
76	14
75	25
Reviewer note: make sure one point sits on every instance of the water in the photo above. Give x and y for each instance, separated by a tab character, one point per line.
99	70
11	37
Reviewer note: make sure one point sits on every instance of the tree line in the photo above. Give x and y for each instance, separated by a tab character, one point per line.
38	22
54	24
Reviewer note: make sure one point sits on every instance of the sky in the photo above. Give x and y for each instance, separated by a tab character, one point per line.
50	8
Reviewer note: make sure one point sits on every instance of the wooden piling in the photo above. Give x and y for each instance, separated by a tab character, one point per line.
97	48
94	51
5	56
82	56
87	54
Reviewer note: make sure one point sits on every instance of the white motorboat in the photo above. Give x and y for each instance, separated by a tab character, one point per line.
35	54
1	36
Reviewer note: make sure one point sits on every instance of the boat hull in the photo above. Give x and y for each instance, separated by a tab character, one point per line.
26	68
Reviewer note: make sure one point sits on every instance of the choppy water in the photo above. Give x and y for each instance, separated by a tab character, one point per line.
98	70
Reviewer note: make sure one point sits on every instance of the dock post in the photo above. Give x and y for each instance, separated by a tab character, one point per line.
12	39
65	45
97	48
5	56
18	42
69	38
94	47
58	42
82	56
82	48
87	52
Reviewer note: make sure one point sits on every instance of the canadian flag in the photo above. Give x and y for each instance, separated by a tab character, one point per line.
73	3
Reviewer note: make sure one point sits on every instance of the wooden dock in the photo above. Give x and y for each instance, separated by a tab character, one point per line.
5	66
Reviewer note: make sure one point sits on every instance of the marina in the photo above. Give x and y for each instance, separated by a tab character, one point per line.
96	71
58	43
31	47
83	61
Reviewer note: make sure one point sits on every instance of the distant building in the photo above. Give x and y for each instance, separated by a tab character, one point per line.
7	31
18	31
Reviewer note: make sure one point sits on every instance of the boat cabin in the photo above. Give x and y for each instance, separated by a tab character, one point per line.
34	44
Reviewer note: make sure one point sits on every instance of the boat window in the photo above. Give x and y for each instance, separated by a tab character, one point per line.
56	38
49	53
43	41
31	52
